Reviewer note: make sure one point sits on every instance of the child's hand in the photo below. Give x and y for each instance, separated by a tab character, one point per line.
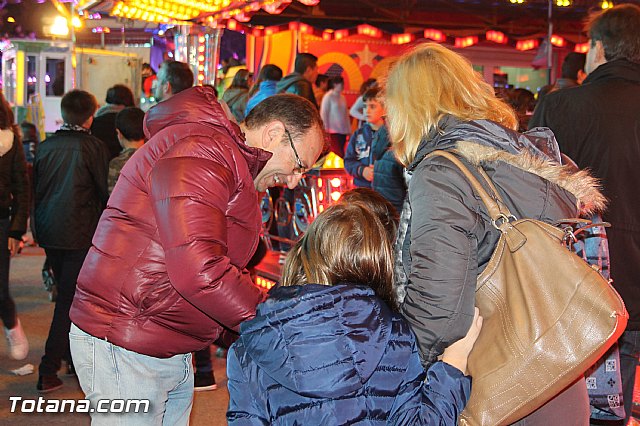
457	353
367	173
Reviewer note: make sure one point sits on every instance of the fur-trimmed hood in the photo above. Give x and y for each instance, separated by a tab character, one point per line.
536	151
584	187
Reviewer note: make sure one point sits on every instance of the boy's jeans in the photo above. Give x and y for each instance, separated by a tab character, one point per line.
109	372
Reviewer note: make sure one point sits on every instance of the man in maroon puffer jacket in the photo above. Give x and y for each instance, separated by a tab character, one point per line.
165	276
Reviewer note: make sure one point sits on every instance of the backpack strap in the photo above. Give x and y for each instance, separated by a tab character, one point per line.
285	88
497	211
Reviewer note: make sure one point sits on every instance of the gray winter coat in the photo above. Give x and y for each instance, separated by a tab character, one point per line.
449	237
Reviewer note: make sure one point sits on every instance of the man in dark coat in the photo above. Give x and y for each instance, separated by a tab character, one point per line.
70	176
598	126
300	81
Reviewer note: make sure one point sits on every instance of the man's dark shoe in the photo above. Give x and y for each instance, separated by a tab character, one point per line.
71	370
204	382
48	384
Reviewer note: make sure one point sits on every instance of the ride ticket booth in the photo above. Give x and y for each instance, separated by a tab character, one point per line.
38	73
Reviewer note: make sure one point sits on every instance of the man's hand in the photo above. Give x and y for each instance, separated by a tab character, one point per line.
367	173
457	353
14	246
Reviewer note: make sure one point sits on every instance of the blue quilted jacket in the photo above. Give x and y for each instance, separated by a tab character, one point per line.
321	355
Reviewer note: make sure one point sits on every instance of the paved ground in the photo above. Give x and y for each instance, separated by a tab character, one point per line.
35	312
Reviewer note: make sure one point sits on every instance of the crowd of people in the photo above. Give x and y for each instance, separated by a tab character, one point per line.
149	222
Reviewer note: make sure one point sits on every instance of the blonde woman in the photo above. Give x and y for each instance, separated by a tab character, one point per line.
328	348
436	101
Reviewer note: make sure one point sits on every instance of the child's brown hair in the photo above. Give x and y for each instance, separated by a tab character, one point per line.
347	243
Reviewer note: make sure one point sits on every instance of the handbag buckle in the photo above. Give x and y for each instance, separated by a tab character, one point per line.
501	220
569	237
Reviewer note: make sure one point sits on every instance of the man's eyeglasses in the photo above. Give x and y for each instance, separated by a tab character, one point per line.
300	167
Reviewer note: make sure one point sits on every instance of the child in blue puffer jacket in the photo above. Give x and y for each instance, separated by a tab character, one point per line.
328	348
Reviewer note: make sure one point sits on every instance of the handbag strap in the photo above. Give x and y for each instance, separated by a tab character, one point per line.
496	210
496	194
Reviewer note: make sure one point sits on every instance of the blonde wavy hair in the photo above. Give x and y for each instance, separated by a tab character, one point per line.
431	81
347	243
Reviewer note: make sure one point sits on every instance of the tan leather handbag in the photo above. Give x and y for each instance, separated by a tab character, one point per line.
548	316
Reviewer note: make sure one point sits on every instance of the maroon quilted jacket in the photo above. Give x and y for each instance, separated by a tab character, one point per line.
165	271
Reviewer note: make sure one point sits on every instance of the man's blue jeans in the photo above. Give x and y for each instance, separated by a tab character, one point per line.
107	371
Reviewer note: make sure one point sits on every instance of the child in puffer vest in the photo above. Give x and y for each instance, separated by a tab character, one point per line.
328	346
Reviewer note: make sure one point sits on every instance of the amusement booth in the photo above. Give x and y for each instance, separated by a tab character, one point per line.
36	74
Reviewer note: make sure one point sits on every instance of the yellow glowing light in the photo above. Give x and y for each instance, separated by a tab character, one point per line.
200	49
466	41
200	67
320	208
557	41
11	19
200	77
264	283
201	39
335	182
496	37
332	161
59	27
581	48
20	76
185	10
526	44
320	183
201	58
402	38
606	4
335	195
320	196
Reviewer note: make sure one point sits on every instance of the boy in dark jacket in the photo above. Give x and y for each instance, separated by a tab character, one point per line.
130	131
70	176
369	158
